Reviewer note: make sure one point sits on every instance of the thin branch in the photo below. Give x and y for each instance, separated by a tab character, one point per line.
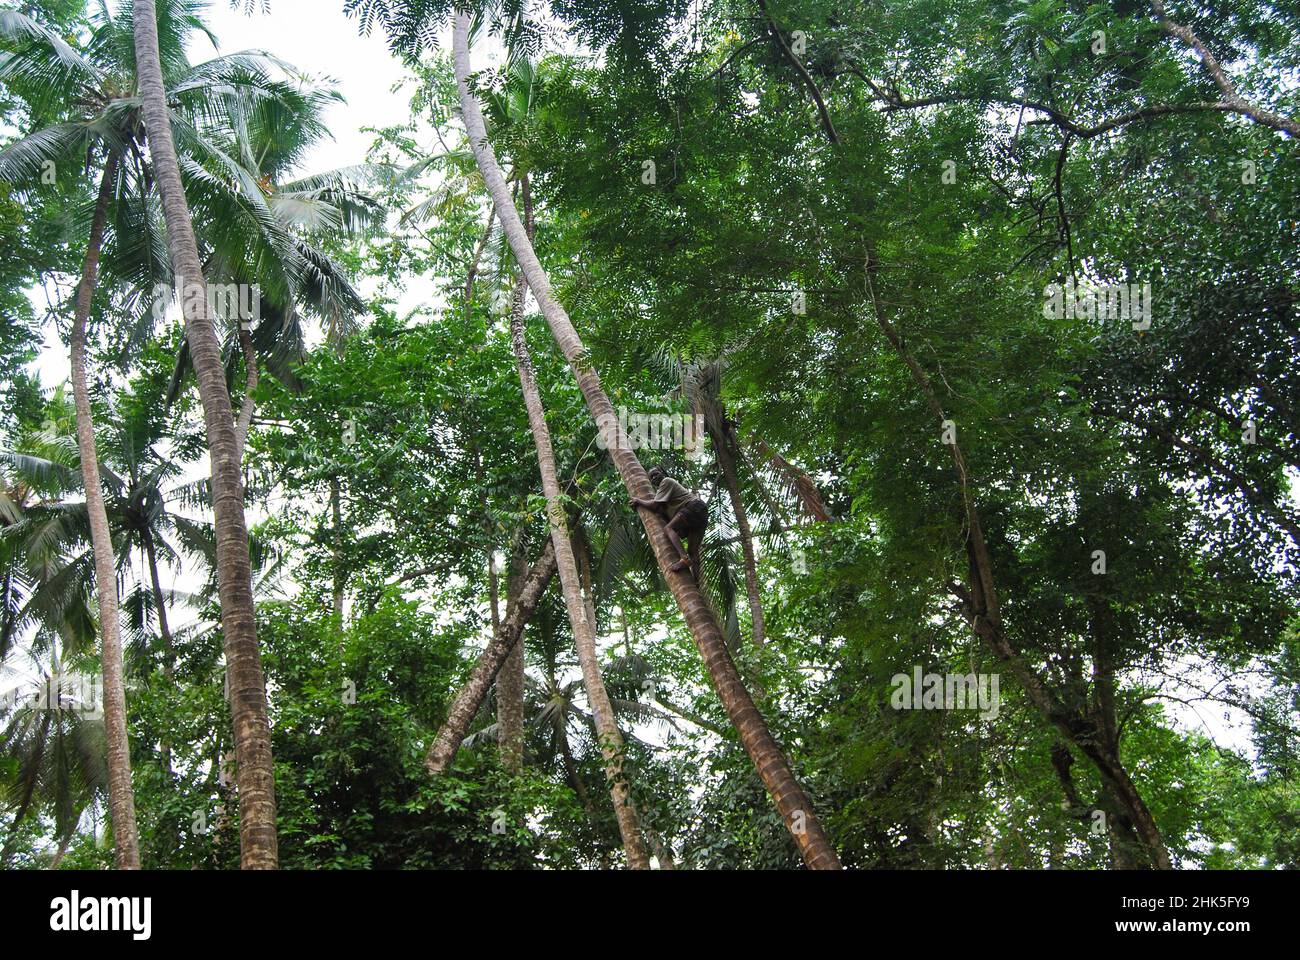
822	112
1231	99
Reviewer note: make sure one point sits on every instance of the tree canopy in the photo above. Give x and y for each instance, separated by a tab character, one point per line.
973	324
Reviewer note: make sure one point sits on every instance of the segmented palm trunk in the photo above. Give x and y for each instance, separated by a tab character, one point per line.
121	802
772	766
581	618
472	694
252	733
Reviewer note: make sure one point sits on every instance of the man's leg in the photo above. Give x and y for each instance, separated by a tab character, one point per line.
696	538
674	537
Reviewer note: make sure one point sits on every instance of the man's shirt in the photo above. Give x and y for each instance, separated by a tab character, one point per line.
673	495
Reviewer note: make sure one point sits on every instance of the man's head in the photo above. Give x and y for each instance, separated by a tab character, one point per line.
656	475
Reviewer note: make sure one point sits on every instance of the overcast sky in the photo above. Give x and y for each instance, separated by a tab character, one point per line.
318	39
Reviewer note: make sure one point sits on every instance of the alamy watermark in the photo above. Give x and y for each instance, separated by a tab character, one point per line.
73	693
653	431
75	913
946	691
235	301
1099	301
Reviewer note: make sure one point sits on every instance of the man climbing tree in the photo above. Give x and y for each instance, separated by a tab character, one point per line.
687	515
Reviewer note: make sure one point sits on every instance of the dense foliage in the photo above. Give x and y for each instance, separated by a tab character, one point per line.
830	229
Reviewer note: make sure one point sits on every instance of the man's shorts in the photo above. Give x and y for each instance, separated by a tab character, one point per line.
695	517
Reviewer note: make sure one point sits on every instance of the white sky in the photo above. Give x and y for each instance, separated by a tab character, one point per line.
318	39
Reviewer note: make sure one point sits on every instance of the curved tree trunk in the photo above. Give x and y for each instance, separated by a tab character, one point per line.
121	803
581	617
252	732
763	750
471	695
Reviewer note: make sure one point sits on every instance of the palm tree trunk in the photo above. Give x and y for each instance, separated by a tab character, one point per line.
121	803
252	731
245	419
471	695
160	603
763	750
581	617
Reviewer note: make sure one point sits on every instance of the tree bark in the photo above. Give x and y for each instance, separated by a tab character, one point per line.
121	802
510	681
581	617
722	449
169	655
471	695
252	732
772	766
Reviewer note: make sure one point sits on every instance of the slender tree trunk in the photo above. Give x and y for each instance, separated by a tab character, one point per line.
663	855
510	681
478	257
252	732
722	449
245	419
121	803
60	853
472	694
581	617
772	766
159	600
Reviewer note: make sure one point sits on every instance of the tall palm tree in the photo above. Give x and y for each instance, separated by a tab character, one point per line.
95	90
766	754
252	734
121	801
582	617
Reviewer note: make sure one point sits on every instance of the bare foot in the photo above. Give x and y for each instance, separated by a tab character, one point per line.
679	566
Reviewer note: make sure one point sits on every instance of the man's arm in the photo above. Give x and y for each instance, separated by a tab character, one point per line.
658	502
